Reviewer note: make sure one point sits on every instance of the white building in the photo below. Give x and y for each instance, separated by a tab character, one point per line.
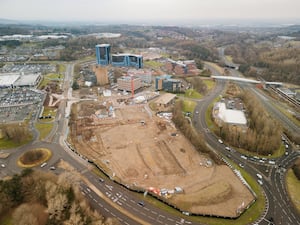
229	116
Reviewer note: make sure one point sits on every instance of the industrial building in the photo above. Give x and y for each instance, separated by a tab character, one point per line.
129	83
165	100
19	80
230	116
166	83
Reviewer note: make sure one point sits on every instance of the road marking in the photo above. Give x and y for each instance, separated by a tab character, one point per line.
154	212
106	209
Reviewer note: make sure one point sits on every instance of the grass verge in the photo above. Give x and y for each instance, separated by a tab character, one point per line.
153	64
209	83
44	129
293	187
189	106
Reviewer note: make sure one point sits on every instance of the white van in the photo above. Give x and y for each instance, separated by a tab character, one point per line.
43	165
259	176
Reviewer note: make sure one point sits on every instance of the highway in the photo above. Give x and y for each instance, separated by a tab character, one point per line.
279	209
113	200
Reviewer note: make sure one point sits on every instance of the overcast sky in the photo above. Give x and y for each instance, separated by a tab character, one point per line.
149	10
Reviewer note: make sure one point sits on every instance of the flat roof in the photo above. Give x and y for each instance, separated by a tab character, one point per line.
27	80
165	99
230	115
8	79
103	45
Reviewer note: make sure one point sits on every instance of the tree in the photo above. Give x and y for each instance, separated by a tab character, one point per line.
75	85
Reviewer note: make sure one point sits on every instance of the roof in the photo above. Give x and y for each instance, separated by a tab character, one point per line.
231	116
103	45
27	80
165	99
8	79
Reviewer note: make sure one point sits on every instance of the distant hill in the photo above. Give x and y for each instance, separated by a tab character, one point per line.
7	21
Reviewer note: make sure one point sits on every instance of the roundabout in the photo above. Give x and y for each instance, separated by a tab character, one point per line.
34	157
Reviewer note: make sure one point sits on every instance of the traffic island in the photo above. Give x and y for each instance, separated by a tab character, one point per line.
34	157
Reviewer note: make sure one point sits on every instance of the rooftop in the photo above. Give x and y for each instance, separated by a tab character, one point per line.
230	115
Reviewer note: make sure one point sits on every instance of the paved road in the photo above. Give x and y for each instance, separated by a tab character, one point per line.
111	199
278	208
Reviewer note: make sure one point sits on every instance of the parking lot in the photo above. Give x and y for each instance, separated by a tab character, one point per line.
17	104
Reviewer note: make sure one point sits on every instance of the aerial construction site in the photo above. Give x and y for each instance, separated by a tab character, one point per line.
144	151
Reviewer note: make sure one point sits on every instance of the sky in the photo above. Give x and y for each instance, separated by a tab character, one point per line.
150	11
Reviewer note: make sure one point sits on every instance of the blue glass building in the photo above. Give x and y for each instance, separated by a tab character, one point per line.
103	54
127	60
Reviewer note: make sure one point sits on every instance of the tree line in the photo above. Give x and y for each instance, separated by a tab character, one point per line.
37	198
263	135
190	133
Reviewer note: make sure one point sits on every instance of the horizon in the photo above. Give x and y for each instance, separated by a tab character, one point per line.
153	12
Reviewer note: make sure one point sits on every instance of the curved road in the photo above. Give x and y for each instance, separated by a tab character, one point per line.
278	210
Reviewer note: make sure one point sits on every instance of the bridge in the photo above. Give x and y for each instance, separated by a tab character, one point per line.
240	79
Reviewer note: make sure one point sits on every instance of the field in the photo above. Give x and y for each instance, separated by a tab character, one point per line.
144	151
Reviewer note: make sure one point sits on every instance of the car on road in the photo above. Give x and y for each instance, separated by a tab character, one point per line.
243	157
52	168
2	165
44	164
227	148
241	165
101	180
141	203
220	141
260	182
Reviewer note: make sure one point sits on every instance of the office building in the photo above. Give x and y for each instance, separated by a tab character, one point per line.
103	54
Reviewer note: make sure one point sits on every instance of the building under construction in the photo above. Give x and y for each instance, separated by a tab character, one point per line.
129	83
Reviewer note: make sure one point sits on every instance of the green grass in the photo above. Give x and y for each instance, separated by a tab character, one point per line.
279	152
51	76
189	106
228	58
153	64
44	129
209	83
293	187
49	111
61	68
191	93
7	144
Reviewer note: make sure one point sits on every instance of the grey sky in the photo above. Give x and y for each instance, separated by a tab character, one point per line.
148	10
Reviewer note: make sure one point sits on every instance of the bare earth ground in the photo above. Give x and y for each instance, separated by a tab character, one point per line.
144	156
